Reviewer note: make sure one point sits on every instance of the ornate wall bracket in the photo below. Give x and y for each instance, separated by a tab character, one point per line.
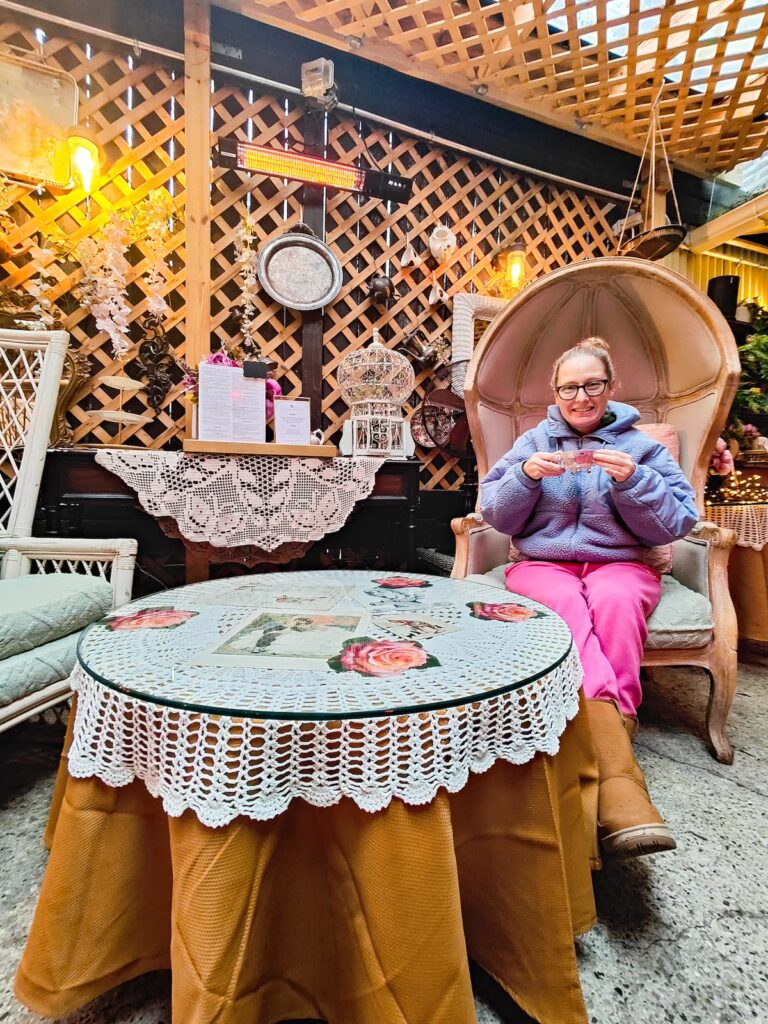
155	360
76	373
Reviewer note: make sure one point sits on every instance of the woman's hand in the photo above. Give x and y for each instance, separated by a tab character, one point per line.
616	464
542	464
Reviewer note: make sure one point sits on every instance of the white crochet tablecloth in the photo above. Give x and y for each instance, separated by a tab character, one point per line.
236	696
234	500
750	523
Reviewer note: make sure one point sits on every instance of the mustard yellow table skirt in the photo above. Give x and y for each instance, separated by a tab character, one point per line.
748	580
333	913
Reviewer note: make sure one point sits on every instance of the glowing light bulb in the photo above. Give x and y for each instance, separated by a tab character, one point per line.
509	262
84	158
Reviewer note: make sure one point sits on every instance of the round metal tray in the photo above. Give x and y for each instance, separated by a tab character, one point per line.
300	271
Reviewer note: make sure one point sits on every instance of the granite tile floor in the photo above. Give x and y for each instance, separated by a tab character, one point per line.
682	937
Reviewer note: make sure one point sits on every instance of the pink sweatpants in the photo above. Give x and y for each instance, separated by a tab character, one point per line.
605	606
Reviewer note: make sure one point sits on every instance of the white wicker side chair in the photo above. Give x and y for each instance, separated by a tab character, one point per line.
50	588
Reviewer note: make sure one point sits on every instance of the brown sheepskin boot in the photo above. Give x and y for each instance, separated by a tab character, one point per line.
630	826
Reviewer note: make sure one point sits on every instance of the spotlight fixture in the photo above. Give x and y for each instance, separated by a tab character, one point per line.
313	170
480	90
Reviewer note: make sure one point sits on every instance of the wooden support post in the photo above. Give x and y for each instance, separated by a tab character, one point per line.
312	322
197	156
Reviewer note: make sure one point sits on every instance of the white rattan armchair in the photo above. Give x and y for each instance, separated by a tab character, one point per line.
31	365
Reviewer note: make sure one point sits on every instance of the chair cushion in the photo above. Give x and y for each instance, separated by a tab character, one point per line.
660	557
682	617
665	434
37	609
33	670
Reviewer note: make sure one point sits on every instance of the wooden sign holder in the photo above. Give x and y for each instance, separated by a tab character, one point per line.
315	451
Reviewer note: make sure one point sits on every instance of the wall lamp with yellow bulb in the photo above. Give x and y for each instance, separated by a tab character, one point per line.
85	158
509	262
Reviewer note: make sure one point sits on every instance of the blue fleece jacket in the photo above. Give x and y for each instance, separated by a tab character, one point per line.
586	517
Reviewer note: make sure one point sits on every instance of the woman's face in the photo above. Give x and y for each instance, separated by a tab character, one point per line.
583	412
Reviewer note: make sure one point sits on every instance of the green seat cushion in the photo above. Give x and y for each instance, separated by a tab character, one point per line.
682	617
37	609
33	670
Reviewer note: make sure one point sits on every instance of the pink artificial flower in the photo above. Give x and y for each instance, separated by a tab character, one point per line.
273	388
721	461
750	430
221	358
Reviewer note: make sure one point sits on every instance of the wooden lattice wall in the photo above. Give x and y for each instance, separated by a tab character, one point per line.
136	106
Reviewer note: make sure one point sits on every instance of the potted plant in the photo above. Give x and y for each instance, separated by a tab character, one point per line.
751	401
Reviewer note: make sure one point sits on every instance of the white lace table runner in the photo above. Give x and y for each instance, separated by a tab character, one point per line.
232	500
750	522
234	697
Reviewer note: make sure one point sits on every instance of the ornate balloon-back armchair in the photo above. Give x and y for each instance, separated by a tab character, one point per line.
678	364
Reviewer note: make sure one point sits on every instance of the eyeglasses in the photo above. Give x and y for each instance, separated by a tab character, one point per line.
593	388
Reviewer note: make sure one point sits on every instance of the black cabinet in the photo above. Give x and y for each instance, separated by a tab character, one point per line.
79	498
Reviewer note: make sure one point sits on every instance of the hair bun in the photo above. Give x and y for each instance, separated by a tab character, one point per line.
595	342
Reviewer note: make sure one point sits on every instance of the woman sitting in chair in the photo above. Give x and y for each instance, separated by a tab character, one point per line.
584	540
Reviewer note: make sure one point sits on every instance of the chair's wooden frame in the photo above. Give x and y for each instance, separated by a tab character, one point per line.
21	554
480	548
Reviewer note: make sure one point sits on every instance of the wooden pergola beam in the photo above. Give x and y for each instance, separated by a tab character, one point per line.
197	156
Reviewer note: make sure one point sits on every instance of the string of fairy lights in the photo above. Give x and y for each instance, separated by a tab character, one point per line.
738	489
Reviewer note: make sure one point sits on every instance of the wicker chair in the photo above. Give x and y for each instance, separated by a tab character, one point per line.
49	588
678	364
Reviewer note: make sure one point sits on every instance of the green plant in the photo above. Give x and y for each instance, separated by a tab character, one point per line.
751	398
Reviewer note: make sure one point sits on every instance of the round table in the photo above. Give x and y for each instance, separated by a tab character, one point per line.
236	696
302	733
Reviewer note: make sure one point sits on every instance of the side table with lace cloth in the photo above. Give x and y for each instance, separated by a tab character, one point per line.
747	567
356	778
270	507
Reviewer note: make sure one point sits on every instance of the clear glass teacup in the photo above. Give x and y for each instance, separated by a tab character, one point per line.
575	461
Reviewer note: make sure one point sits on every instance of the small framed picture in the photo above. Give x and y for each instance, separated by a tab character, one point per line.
292	421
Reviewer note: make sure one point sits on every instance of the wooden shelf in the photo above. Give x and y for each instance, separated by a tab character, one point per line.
315	451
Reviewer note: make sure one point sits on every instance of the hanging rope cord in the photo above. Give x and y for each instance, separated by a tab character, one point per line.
653	129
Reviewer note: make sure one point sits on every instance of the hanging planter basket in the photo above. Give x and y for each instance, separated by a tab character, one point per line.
653	243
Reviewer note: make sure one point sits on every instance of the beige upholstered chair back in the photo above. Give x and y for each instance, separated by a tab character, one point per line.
674	354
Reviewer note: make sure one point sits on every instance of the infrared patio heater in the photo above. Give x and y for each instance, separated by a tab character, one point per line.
312	170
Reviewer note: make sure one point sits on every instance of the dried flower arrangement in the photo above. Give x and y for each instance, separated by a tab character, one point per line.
106	266
104	259
246	254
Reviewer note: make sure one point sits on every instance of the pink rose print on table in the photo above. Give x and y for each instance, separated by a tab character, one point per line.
381	657
502	612
401	582
150	618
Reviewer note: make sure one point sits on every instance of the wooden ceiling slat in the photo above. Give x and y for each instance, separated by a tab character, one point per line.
584	66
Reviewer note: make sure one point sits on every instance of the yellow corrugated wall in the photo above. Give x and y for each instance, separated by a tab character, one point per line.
751	268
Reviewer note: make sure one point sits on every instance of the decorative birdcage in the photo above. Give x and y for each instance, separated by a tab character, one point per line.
375	381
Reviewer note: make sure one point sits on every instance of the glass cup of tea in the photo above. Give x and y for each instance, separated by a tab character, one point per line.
575	461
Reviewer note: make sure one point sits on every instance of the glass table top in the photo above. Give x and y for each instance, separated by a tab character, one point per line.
324	645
